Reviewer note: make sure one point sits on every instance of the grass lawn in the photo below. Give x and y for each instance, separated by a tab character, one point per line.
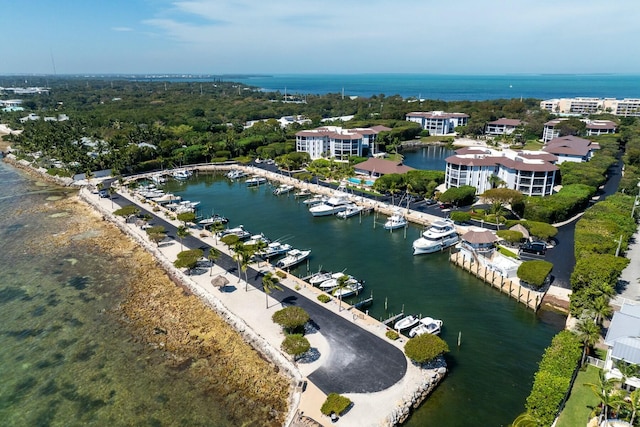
582	400
533	145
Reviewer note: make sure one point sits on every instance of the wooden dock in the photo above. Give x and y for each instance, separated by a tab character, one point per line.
511	287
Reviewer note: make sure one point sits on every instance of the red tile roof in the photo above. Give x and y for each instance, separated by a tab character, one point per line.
506	122
383	166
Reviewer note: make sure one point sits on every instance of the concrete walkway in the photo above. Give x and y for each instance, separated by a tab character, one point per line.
629	283
376	392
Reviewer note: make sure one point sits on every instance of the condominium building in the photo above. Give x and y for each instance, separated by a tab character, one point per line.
571	149
533	173
502	126
438	122
593	128
619	107
339	143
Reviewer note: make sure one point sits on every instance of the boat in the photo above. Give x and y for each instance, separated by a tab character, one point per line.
253	240
395	221
255	181
440	235
237	231
331	206
293	257
212	220
316	278
283	189
426	325
406	322
352	210
181	174
302	193
236	174
330	284
352	287
158	178
315	200
166	198
275	249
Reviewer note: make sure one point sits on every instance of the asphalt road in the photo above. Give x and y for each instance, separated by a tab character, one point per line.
358	361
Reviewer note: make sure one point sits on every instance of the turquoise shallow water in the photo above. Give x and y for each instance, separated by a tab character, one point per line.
66	356
502	342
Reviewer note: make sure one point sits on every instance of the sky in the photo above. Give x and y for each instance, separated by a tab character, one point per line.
320	36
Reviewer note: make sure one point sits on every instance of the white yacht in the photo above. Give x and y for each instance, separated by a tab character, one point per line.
182	174
302	193
274	249
351	210
253	240
332	206
315	200
319	277
238	231
406	322
439	236
352	288
426	325
395	221
283	189
293	257
215	218
236	174
158	178
255	180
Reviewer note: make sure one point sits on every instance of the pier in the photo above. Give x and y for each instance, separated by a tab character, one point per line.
530	298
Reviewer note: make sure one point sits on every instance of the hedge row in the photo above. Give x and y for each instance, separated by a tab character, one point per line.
553	378
560	206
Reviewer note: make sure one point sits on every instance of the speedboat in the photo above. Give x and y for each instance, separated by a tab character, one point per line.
166	198
395	221
255	180
182	174
212	220
283	189
274	249
440	235
315	200
319	277
351	210
352	287
293	257
253	240
406	322
426	325
158	178
333	205
236	174
330	284
238	231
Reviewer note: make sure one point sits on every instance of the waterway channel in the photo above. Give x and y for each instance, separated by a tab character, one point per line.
501	341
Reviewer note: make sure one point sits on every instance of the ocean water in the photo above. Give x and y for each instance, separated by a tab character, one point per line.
67	355
452	87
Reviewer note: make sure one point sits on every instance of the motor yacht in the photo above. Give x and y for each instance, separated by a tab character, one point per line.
255	181
351	210
283	189
426	325
395	221
293	257
181	174
331	206
238	231
274	249
236	174
440	235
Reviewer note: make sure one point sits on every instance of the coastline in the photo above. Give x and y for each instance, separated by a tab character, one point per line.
399	401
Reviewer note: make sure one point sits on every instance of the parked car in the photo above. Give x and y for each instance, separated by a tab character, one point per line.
429	202
104	193
445	205
534	247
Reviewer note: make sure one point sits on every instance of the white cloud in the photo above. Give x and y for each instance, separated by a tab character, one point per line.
122	29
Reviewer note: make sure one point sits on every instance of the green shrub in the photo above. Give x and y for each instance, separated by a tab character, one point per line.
324	298
295	344
392	335
425	347
335	403
535	273
510	236
459	196
281	274
553	378
291	318
127	211
459	217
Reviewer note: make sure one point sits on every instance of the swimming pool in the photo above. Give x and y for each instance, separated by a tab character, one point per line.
367	182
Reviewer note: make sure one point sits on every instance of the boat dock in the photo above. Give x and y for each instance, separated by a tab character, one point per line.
511	287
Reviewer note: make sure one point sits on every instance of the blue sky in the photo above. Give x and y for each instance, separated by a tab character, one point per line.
323	36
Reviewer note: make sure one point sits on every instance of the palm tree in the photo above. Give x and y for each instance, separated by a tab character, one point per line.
341	283
269	284
589	333
633	404
217	227
604	391
601	308
214	254
238	249
259	247
182	232
111	191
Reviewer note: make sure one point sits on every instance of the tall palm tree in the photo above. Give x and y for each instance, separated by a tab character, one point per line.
269	284
604	390
633	404
601	308
214	254
238	249
341	283
182	232
259	247
111	191
245	259
589	333
217	227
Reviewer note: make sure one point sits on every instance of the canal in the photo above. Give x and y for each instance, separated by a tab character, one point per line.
501	341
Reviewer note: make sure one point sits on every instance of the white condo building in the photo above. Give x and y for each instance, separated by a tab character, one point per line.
336	142
438	122
619	107
533	173
502	126
593	128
